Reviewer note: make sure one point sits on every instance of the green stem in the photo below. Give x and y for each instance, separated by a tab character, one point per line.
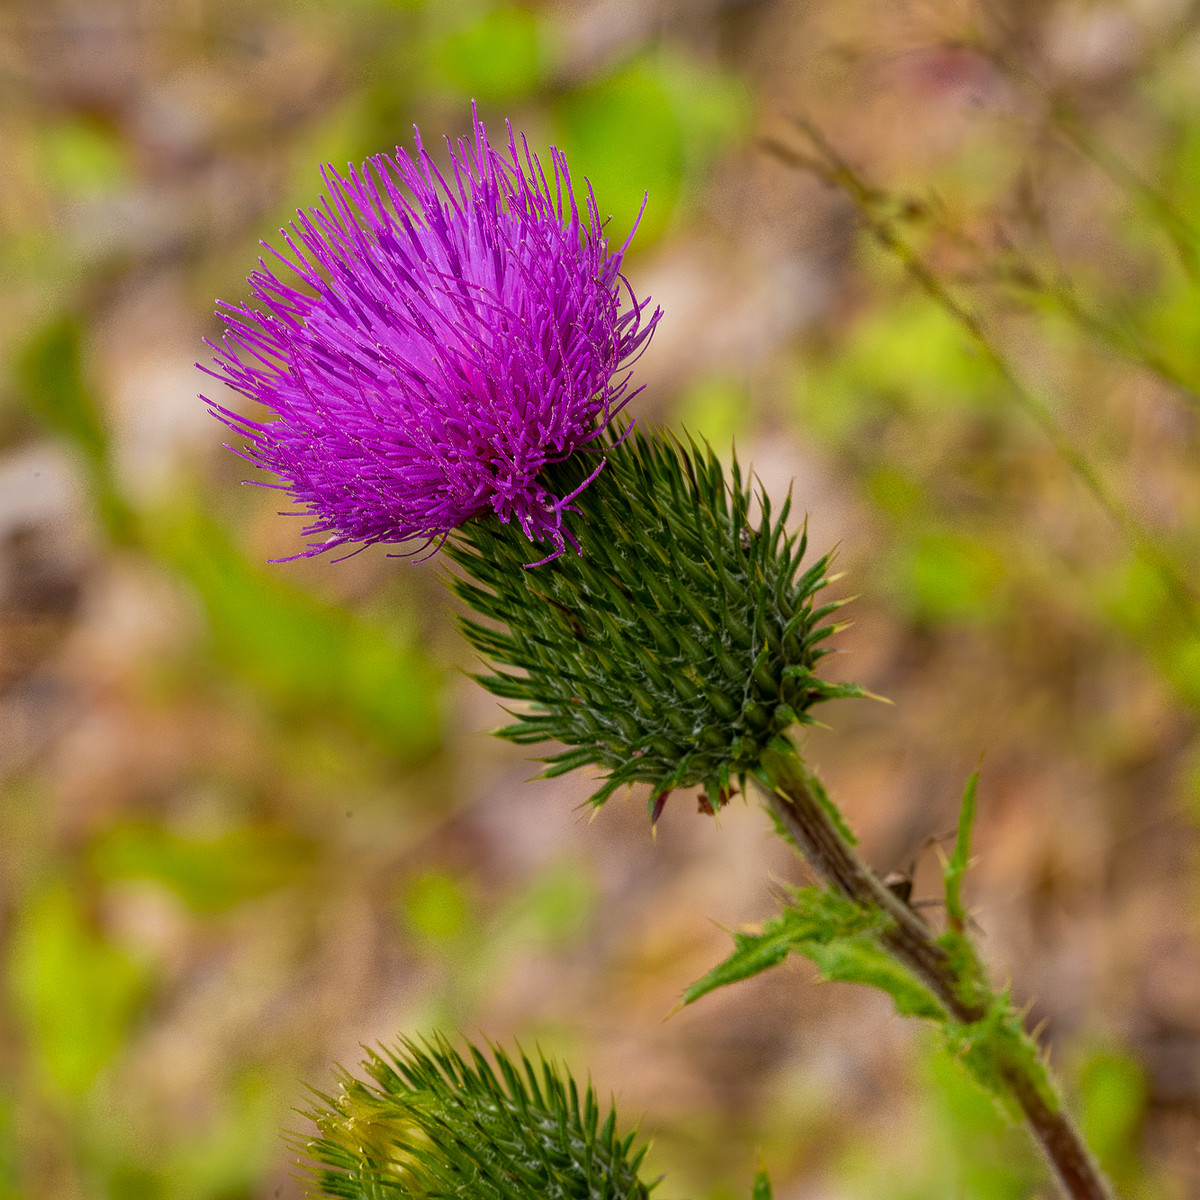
965	996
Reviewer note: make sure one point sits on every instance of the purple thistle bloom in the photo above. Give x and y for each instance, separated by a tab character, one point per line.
454	338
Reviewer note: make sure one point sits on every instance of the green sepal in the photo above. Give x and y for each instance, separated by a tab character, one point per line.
762	1186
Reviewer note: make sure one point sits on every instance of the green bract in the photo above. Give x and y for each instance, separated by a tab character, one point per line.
435	1124
677	647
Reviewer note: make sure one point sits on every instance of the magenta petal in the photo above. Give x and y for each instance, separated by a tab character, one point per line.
446	339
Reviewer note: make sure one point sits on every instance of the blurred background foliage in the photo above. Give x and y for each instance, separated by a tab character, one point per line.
935	261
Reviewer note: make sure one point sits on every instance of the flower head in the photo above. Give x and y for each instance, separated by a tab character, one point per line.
446	340
431	1121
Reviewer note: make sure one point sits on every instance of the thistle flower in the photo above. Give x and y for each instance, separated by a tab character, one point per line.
449	338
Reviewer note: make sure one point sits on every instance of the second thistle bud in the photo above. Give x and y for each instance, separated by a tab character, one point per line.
677	647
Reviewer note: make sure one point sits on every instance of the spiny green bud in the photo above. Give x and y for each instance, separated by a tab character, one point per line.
677	647
432	1123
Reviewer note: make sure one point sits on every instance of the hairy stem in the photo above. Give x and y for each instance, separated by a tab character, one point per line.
795	801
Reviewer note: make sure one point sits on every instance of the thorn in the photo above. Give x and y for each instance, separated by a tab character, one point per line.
657	807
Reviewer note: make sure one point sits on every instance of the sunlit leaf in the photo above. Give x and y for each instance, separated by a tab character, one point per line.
208	874
75	992
942	576
436	906
1114	1094
502	55
82	157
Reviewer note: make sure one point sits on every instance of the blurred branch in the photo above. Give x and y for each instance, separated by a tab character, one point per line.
1063	116
1037	289
882	217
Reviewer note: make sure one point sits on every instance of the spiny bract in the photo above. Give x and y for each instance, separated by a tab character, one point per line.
435	1124
677	647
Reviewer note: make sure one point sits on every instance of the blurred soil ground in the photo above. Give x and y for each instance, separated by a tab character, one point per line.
251	820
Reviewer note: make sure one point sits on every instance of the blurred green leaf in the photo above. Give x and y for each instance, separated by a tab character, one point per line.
954	1144
222	1153
762	1186
1132	597
555	907
436	906
976	1151
135	1181
941	576
1173	320
9	1154
714	108
307	656
714	409
49	373
502	55
208	874
647	129
624	136
228	1157
894	492
906	356
82	157
1114	1093
1166	208
75	992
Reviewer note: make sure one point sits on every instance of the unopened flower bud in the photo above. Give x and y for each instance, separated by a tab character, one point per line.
677	648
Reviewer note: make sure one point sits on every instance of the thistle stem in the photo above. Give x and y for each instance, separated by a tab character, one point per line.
966	999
